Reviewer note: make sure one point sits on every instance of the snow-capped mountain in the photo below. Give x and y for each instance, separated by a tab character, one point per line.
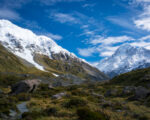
24	43
125	59
41	50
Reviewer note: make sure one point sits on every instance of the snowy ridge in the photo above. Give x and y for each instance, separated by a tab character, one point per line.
24	43
125	59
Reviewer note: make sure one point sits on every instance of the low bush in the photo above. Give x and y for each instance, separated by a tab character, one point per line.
86	114
75	102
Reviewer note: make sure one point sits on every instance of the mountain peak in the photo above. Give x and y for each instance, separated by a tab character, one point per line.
126	58
24	43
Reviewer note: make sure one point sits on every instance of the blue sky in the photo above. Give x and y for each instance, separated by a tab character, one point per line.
92	29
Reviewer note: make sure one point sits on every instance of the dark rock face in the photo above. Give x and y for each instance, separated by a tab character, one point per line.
92	72
25	86
66	80
141	93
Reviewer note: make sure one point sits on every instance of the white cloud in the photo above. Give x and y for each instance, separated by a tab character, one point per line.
9	14
143	20
52	2
111	40
142	0
53	36
145	37
123	22
64	18
87	51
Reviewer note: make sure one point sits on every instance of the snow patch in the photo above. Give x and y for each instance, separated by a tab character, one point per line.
56	75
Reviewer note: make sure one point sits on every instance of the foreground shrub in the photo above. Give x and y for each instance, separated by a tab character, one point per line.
86	114
31	115
75	102
23	97
50	111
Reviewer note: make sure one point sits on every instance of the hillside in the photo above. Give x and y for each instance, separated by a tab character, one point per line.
140	77
117	99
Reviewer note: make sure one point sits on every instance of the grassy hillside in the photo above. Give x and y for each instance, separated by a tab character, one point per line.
88	101
61	67
10	63
135	77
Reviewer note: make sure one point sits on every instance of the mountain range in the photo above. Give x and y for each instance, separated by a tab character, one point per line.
40	53
126	58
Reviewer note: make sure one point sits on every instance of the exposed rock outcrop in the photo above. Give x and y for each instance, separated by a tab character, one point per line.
25	86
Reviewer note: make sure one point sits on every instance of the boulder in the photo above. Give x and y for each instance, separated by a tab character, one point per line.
111	92
25	86
141	92
1	92
59	95
128	90
97	95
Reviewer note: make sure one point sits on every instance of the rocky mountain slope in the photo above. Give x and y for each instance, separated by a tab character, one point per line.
43	53
125	59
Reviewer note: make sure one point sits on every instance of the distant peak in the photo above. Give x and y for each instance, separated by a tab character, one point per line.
126	45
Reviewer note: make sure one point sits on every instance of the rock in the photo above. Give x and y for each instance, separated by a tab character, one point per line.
98	95
25	86
128	90
67	80
57	84
148	85
112	92
141	92
1	92
50	86
59	95
106	104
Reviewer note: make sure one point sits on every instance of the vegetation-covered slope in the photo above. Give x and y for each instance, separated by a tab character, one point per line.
79	69
135	77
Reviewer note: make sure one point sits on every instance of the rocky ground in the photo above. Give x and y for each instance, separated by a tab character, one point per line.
87	101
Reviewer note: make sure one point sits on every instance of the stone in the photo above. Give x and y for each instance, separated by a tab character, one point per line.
141	92
98	95
111	92
128	90
25	86
1	92
59	95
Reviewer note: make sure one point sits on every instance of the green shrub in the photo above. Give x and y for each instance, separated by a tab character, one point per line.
79	93
86	114
6	105
23	97
75	102
31	115
50	111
